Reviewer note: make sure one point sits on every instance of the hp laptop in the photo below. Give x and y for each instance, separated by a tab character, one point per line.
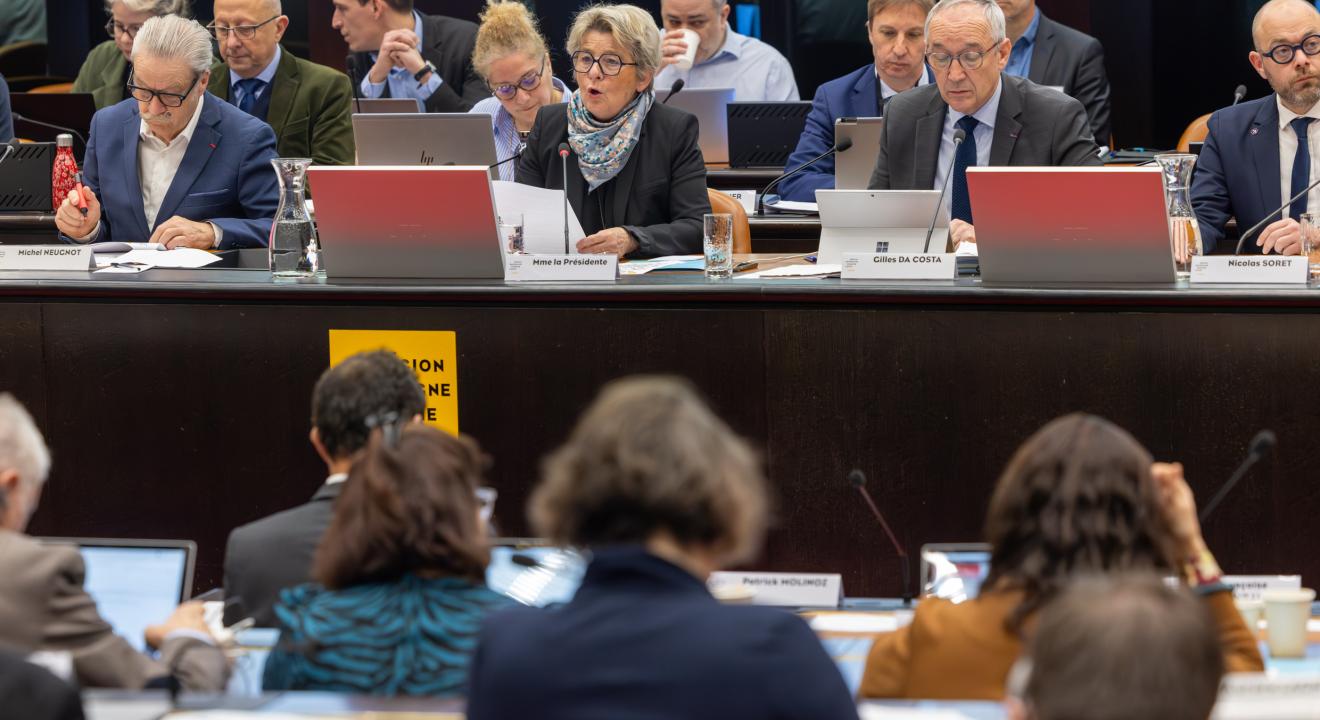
879	221
377	106
853	167
764	134
708	104
533	572
954	571
423	139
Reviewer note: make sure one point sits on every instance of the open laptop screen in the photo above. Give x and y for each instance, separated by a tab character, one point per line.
534	574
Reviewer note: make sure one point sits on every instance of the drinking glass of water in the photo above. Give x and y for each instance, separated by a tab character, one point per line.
511	233
1310	223
718	245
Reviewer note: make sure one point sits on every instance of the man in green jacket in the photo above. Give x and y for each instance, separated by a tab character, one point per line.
308	105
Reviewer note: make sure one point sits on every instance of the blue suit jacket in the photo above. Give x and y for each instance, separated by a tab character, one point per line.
225	178
852	95
6	117
643	639
1238	172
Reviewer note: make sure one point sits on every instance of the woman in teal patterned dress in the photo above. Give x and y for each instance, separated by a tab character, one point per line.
399	597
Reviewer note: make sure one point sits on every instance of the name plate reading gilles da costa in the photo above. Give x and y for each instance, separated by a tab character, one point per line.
1259	269
46	257
561	268
894	266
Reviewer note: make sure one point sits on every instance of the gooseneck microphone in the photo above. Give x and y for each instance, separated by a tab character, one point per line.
1238	94
510	158
673	90
10	148
857	479
563	164
1263	221
959	136
1260	445
839	146
52	126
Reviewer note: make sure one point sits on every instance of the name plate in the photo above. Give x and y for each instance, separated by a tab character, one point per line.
746	197
1252	587
894	266
1262	269
785	589
552	268
47	257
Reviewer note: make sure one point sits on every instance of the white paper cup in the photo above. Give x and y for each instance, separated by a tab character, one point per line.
1286	613
686	59
1252	611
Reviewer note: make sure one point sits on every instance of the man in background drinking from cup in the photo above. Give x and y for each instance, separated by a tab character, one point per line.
700	48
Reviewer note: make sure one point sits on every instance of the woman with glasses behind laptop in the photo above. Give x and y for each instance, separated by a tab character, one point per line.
636	178
105	72
401	591
512	58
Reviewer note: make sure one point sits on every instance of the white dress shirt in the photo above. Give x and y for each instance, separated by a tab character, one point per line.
159	162
984	135
756	71
888	92
1288	152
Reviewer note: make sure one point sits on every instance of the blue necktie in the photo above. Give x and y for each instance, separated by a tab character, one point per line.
1301	172
960	206
248	97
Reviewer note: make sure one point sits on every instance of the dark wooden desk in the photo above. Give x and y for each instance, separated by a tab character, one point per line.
176	402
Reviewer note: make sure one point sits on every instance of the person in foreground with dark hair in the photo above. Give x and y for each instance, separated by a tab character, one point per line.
401	573
1123	648
661	492
1081	496
365	384
32	693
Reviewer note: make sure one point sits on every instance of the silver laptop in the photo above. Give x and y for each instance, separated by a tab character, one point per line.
853	167
710	107
424	139
879	221
954	571
533	572
1092	224
135	583
376	106
406	222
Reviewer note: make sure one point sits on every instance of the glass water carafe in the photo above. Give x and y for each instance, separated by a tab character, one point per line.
1184	232
294	251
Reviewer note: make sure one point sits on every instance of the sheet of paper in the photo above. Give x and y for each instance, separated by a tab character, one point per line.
967	250
795	206
881	712
793	271
641	267
121	247
176	258
854	622
543	216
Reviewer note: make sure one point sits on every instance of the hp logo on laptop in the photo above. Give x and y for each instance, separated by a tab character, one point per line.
882	246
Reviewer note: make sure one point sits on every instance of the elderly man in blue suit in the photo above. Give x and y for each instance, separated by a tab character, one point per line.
173	164
1261	153
897	33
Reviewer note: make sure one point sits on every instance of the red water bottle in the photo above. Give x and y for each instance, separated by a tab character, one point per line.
64	174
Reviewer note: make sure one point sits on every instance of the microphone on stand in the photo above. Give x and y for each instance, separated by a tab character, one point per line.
857	479
673	90
1263	443
510	158
1243	239
10	148
1238	94
52	126
563	163
839	146
959	136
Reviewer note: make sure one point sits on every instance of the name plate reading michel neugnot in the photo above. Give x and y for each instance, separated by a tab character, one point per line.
893	266
47	257
561	268
1257	269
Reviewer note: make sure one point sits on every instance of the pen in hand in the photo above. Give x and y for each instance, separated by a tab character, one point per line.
82	202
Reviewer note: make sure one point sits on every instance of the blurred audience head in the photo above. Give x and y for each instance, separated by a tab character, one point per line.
1076	498
409	506
897	31
511	56
1279	27
616	54
128	16
24	463
247	33
967	46
1125	647
370	383
363	23
649	463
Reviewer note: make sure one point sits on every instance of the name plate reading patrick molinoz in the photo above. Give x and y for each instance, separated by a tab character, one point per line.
1260	269
785	589
893	266
47	257
560	268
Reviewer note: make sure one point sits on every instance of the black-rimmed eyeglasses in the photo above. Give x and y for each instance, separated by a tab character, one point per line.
527	83
114	29
171	100
247	32
610	64
1284	54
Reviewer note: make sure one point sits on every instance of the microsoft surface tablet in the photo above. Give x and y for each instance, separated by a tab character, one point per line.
853	167
708	104
879	221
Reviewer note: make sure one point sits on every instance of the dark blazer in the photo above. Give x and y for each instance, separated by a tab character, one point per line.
1075	61
1237	175
254	575
32	693
661	191
225	177
1034	127
310	109
6	115
852	95
448	45
103	74
643	639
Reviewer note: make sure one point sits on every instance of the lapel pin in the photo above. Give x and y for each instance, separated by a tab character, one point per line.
212	145
1253	132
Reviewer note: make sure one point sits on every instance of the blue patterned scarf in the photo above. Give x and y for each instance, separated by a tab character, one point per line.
603	147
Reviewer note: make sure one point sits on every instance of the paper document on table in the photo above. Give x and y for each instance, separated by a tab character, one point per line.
641	267
799	206
543	217
846	622
967	249
888	712
794	271
123	247
176	258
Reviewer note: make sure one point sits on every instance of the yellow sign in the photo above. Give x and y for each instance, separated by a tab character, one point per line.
432	354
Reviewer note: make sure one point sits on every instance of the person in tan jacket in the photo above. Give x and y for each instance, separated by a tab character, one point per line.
1081	496
43	606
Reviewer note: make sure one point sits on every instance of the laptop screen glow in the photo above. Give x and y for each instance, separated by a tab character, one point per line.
134	586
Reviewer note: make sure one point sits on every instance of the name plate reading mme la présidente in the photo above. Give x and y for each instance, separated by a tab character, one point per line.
47	257
894	266
561	268
1255	269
